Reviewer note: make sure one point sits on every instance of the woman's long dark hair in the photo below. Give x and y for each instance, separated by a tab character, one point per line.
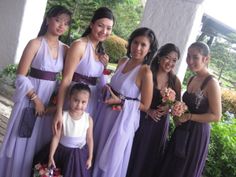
102	12
53	12
164	51
153	43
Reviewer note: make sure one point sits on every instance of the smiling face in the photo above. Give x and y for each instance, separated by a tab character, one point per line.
58	25
101	29
167	62
140	47
195	60
79	101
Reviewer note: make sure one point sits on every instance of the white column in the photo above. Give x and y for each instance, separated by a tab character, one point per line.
20	22
174	21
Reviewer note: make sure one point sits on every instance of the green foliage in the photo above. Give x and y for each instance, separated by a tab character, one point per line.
223	62
222	150
8	74
229	101
9	71
124	13
115	48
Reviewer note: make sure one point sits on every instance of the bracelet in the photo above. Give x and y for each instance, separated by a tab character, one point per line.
122	98
33	96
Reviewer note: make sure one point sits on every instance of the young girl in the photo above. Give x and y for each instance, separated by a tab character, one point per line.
72	148
187	152
85	61
44	57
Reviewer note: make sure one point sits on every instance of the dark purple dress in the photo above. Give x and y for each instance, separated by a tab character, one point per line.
188	147
149	143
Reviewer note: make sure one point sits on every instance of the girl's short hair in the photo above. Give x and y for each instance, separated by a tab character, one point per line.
80	87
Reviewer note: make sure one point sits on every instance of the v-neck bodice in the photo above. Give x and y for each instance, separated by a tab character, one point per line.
88	65
124	83
44	61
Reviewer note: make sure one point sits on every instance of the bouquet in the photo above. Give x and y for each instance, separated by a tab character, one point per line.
178	109
43	171
168	96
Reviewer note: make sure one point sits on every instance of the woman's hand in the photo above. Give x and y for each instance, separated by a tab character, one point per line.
51	163
156	114
89	163
185	117
104	59
162	110
57	123
39	106
153	114
113	99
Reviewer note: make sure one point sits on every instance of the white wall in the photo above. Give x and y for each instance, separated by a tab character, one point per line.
31	23
20	22
11	17
175	21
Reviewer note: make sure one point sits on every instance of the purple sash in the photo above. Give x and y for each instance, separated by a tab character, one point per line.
84	79
45	75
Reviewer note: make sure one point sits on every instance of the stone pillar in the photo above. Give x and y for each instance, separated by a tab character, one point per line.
20	22
175	21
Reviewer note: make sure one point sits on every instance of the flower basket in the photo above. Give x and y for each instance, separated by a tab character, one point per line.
42	170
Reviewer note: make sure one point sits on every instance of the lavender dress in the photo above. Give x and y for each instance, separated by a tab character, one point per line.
17	153
90	67
190	163
114	131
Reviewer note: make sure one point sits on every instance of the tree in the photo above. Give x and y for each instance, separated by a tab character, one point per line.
223	60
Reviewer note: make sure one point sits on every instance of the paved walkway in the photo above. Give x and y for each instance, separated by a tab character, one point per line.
5	111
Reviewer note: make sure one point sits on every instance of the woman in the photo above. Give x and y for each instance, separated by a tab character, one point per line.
150	138
44	56
187	152
85	61
131	87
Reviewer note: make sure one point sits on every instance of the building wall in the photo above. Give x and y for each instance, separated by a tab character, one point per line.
20	22
175	21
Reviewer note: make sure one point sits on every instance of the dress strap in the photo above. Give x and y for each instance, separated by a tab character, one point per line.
206	81
190	80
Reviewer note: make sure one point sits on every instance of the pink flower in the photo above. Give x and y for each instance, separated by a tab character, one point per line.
178	109
168	95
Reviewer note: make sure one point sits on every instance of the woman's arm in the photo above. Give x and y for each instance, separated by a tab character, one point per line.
24	65
89	139
213	94
146	88
73	57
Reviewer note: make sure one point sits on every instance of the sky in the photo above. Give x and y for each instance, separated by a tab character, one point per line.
222	10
